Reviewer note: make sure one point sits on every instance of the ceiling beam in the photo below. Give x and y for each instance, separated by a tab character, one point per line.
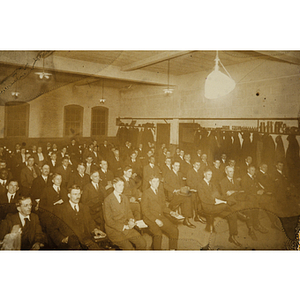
31	60
286	56
153	60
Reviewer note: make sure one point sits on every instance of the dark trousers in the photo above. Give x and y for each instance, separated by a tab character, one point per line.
223	211
168	228
131	236
185	203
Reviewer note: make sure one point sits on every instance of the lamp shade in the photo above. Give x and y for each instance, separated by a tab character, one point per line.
217	85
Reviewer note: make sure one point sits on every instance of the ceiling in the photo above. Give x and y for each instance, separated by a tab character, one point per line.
120	69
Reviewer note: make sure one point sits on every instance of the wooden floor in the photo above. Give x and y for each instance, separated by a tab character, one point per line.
195	239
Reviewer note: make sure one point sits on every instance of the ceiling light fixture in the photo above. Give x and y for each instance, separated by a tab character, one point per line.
102	100
168	91
218	84
43	75
16	93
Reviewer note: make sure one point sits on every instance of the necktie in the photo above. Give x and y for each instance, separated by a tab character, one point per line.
75	208
58	189
231	180
97	187
11	198
26	222
34	173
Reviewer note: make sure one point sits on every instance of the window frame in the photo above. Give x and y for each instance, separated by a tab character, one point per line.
26	105
99	108
66	108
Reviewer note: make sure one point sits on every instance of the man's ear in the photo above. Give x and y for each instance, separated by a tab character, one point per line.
18	208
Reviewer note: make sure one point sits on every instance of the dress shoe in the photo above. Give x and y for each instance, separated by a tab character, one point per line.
188	224
199	219
252	234
261	229
234	241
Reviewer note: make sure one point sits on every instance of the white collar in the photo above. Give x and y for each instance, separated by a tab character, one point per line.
206	181
262	171
22	218
154	191
103	171
118	196
73	205
250	175
151	165
279	171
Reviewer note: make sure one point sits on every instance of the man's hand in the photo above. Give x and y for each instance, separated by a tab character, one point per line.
159	223
176	192
229	193
131	223
16	229
59	202
132	200
65	240
37	246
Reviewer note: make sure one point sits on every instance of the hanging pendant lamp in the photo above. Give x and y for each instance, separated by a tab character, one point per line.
218	84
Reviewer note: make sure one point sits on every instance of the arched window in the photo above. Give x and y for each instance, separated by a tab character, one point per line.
16	119
99	121
73	120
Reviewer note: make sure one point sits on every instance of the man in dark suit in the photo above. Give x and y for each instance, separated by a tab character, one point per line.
104	149
53	163
79	178
90	166
28	174
254	193
3	180
132	192
154	209
148	171
173	183
231	190
136	165
32	237
65	170
193	179
73	228
119	221
186	165
208	193
115	163
106	177
166	167
9	199
93	197
40	183
39	157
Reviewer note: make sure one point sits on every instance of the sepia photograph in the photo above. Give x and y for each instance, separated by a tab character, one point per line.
149	149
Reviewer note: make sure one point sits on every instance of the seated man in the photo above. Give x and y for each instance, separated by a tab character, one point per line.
150	170
80	177
173	183
28	174
119	221
153	208
106	177
65	171
25	222
231	190
9	199
209	195
254	194
40	183
131	192
93	197
192	180
90	165
73	227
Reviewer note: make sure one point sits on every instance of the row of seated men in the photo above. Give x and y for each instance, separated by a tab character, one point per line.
190	201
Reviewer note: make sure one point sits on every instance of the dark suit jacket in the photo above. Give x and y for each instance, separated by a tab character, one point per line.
76	179
148	172
116	215
37	161
53	167
94	200
34	233
266	181
136	166
226	186
249	185
154	205
66	174
27	176
130	189
105	177
193	178
38	186
6	207
115	166
50	196
69	223
173	182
